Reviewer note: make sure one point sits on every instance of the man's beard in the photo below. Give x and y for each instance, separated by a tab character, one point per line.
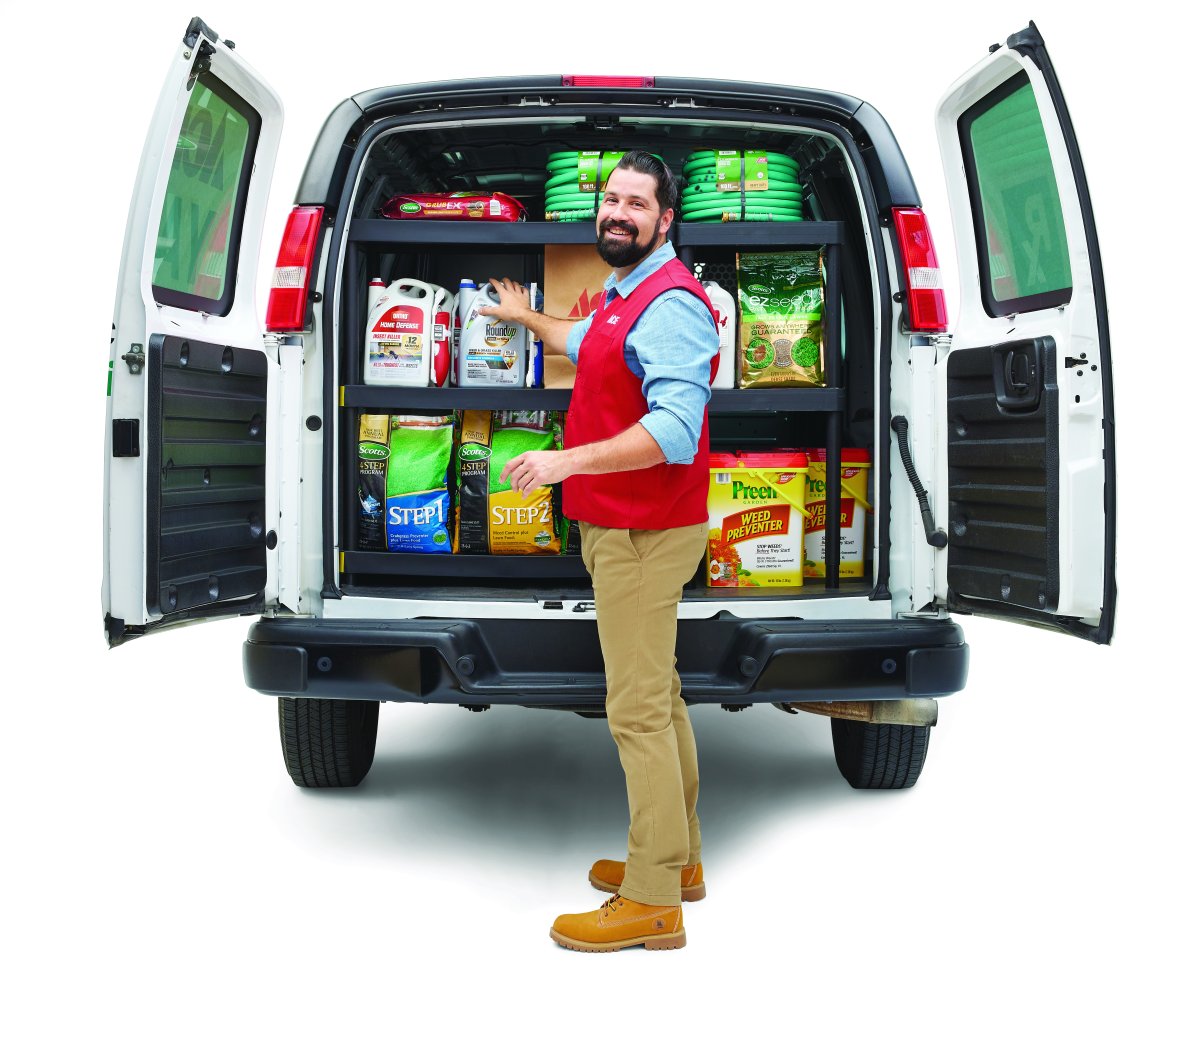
621	254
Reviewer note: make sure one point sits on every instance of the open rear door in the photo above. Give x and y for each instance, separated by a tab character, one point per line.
187	529
1028	490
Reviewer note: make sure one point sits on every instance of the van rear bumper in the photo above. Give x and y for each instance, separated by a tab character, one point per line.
557	663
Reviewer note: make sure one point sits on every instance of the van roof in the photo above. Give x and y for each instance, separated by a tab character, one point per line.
889	173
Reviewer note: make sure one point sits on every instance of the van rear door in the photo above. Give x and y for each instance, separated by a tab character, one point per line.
187	529
1027	489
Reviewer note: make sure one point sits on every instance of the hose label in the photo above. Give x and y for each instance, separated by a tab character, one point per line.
595	167
741	171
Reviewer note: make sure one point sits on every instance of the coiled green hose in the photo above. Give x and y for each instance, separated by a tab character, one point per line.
701	201
783	200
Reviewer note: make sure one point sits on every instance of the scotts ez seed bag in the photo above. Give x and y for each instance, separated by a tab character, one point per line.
781	342
403	463
491	518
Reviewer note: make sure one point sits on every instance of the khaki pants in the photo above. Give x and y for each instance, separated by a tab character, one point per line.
638	577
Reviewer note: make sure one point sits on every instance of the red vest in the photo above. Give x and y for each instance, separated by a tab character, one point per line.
608	400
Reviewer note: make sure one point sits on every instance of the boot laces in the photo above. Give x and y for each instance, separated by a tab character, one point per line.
610	904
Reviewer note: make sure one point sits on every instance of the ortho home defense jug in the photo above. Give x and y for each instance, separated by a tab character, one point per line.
491	352
408	335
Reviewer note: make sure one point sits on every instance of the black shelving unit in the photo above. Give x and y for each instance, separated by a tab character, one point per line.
376	235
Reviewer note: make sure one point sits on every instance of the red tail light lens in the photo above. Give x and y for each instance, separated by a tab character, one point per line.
287	307
926	298
603	81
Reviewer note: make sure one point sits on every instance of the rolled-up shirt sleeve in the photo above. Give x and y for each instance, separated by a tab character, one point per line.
575	337
674	342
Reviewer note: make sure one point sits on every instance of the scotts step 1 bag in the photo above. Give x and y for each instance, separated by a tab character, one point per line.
781	342
404	502
491	518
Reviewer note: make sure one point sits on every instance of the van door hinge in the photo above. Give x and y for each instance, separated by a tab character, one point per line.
135	359
203	62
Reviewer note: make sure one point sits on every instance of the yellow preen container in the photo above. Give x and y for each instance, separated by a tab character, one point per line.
756	519
853	509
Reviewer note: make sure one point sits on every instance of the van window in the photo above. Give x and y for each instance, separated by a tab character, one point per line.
195	260
1022	241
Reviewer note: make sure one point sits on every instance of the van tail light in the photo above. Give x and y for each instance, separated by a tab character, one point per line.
287	307
606	81
926	298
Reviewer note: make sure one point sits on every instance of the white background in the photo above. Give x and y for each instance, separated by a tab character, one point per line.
169	892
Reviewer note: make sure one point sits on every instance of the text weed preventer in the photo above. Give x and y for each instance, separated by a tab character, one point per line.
756	519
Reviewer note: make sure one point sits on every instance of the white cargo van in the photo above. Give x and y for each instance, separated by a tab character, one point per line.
231	453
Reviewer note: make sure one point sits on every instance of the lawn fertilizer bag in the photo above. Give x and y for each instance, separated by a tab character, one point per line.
781	341
403	462
491	518
373	452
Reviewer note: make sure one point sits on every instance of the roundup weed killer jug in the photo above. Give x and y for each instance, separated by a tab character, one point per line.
408	335
491	352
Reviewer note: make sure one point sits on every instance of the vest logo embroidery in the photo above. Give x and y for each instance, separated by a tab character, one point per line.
614	319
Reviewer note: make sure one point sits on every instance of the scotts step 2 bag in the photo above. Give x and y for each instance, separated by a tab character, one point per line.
404	501
491	518
781	342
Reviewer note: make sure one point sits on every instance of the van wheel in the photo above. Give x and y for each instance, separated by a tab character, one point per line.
328	742
879	757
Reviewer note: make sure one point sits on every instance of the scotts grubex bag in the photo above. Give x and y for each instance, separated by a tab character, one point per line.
404	502
781	341
491	518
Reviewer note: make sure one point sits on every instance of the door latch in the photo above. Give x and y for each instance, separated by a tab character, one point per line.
135	359
1019	374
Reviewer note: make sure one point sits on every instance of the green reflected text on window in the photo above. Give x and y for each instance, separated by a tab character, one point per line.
195	231
1027	263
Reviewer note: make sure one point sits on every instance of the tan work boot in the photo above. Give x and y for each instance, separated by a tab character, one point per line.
607	875
621	923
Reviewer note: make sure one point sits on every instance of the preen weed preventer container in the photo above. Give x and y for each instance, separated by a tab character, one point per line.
853	509
756	519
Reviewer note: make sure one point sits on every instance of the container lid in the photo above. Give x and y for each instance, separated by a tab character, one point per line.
848	456
785	459
722	459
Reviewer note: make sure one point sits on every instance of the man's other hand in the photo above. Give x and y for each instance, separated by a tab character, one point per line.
514	300
531	470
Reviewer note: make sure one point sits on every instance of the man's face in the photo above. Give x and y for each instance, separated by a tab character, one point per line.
629	224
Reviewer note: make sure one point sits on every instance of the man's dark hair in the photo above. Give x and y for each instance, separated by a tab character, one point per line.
666	186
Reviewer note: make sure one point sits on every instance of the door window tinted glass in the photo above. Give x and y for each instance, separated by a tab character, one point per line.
195	261
1022	241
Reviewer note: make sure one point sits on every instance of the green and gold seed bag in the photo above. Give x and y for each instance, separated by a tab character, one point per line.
781	340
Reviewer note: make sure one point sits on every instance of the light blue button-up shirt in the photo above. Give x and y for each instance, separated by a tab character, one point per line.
670	348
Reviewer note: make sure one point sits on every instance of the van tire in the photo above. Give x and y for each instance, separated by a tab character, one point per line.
328	742
879	757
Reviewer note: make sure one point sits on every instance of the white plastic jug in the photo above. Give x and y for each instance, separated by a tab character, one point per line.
491	352
723	302
408	335
458	306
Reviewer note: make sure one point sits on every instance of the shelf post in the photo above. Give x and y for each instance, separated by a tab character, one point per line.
832	324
